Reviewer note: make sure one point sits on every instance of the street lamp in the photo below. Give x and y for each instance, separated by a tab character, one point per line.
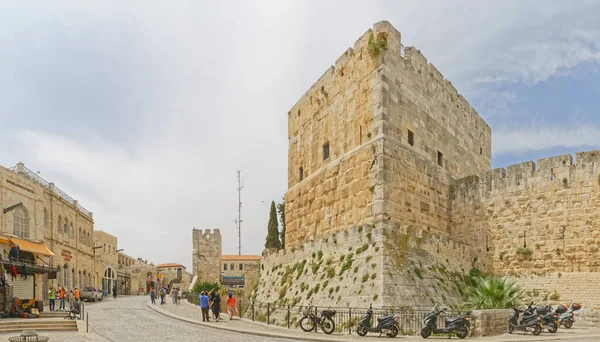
120	250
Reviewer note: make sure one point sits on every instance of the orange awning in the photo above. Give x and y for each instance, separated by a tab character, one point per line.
3	239
32	247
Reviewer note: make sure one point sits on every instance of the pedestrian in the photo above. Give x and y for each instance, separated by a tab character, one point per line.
52	298
179	295
76	294
115	291
204	307
174	295
162	295
70	298
61	298
231	308
153	296
216	306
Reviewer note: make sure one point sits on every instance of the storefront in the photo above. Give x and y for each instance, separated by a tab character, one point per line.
29	270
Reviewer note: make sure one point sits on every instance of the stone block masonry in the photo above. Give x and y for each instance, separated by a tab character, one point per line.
383	143
207	255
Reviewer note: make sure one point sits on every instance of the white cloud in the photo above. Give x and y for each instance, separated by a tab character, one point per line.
543	137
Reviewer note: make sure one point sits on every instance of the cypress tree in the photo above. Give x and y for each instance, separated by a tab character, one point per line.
273	230
281	212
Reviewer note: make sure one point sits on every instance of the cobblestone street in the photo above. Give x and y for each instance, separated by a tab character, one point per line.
128	319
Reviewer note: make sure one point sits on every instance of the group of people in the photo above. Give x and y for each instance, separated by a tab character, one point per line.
211	300
161	292
176	294
71	295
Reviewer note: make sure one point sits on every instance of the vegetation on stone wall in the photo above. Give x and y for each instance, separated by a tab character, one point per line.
199	287
273	230
525	252
377	43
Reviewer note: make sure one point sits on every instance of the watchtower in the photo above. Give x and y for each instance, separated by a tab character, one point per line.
207	255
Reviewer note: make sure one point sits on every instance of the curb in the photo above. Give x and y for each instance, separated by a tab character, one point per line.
254	333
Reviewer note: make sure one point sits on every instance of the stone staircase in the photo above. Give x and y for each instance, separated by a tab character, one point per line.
17	325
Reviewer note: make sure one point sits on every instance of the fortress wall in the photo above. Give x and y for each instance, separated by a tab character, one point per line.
541	217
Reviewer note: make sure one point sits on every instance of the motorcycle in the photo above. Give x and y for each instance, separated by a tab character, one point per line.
459	325
388	325
549	318
566	317
530	322
311	320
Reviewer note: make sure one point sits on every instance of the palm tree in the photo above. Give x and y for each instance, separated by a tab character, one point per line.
494	293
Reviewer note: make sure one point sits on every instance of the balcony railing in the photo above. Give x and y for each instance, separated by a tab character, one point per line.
35	177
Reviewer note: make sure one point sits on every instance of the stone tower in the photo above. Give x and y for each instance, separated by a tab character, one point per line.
207	255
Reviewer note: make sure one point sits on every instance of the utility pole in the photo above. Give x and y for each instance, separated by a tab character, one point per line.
239	219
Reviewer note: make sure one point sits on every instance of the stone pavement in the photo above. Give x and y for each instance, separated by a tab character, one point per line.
190	313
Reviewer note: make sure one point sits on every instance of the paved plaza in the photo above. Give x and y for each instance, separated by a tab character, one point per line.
133	319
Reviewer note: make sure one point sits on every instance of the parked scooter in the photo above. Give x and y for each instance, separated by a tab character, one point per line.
530	322
459	325
388	325
566	317
549	318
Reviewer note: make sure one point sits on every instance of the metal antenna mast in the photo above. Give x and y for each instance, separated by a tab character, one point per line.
239	219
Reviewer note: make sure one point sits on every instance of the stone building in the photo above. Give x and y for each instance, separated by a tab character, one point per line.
211	266
240	271
390	189
143	276
206	255
173	275
107	261
124	274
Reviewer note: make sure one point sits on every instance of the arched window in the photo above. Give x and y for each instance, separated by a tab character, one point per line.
45	218
224	267
21	222
241	267
65	227
59	226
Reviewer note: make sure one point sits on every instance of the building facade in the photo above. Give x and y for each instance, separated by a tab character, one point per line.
173	275
240	271
107	261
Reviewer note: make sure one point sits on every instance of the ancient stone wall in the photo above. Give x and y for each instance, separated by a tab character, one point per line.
337	114
207	255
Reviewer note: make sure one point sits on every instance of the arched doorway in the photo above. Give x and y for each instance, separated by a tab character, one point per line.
150	283
109	280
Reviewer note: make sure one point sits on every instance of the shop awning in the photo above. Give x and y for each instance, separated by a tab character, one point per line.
32	247
3	239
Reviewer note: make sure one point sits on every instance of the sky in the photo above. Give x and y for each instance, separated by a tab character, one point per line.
144	111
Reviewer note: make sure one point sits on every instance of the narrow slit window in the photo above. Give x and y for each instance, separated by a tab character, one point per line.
360	135
551	174
300	174
411	138
326	151
481	150
440	159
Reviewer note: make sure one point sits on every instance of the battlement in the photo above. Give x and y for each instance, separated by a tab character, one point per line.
529	175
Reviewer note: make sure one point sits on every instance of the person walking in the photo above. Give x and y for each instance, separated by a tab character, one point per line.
216	306
162	295
231	308
153	296
52	298
61	298
204	307
179	295
174	295
115	291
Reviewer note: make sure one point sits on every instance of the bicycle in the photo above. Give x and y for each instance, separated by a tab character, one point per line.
311	320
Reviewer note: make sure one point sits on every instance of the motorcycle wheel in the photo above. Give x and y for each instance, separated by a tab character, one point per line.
567	323
328	325
537	330
425	332
394	332
510	329
554	328
361	331
461	333
307	324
